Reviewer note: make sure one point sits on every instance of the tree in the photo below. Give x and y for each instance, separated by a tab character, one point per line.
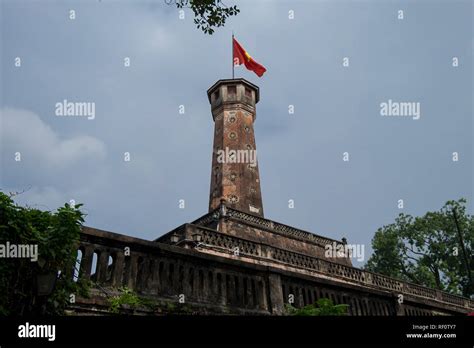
434	250
56	235
322	307
208	14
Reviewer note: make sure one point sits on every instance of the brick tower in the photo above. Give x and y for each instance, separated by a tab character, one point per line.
235	175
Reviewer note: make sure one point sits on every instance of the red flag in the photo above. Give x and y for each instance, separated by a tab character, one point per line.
242	57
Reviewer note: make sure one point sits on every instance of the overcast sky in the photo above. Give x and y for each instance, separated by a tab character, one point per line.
337	109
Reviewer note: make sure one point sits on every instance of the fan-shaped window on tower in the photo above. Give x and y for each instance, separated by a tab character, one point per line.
233	199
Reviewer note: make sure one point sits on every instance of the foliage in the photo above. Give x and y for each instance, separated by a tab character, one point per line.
127	298
56	234
322	307
208	14
427	250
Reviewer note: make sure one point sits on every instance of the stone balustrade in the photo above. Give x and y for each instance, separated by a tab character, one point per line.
224	272
170	272
251	249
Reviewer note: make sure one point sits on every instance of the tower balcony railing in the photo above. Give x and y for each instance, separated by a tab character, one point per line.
266	224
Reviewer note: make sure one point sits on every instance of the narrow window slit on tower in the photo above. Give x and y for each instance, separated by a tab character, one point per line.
232	90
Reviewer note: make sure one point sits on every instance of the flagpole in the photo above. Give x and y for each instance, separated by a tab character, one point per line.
232	54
